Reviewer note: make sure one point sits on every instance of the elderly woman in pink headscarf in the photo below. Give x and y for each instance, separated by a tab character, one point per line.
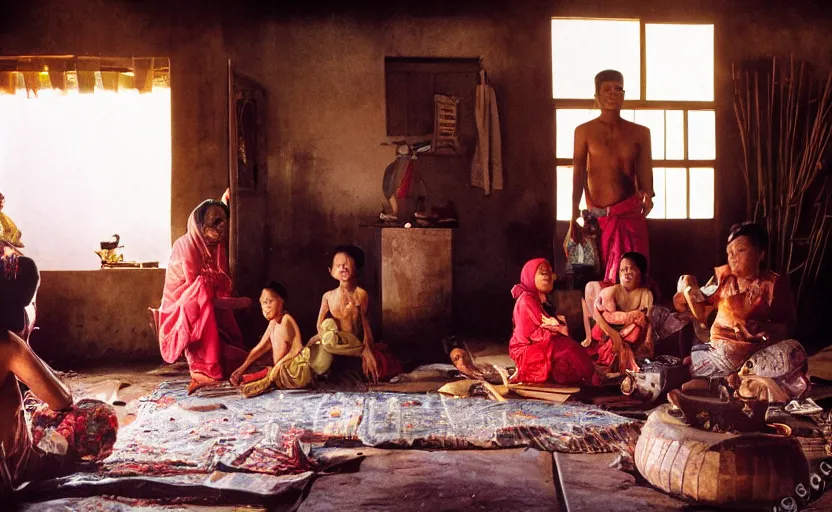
541	346
196	314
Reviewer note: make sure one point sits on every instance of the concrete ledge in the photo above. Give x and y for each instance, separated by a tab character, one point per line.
96	315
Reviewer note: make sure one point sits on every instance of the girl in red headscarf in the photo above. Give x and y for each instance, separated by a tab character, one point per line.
541	346
196	314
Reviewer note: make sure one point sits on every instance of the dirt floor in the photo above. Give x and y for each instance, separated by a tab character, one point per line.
511	479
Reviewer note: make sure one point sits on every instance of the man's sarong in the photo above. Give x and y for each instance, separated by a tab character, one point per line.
623	229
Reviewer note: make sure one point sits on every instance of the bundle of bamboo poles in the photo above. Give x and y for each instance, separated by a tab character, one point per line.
784	115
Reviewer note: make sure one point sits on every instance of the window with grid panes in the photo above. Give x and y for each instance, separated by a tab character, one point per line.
669	81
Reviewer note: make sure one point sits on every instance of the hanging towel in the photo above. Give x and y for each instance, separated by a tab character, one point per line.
487	166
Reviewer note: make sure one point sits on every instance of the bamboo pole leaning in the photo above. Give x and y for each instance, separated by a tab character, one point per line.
784	117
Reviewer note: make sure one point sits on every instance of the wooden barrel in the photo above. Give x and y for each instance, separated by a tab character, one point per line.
739	470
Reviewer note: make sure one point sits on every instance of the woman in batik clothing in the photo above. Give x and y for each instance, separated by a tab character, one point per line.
196	314
541	346
84	431
622	331
754	316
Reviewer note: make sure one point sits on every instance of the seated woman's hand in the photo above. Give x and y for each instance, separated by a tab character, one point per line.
548	321
369	365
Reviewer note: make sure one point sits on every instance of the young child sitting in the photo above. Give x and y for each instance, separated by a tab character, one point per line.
621	313
296	366
282	335
540	345
343	321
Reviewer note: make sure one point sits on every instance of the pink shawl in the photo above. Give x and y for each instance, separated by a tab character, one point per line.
193	279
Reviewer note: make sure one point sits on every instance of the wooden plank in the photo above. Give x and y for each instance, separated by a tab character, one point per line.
547	388
549	397
588	483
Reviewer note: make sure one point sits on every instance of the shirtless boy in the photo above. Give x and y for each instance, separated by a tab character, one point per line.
282	335
348	305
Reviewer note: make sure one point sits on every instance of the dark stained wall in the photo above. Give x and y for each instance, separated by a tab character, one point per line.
323	68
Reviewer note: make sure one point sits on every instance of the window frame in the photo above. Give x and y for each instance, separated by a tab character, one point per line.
644	104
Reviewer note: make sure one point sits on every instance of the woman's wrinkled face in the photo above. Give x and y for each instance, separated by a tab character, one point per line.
343	267
271	304
215	225
544	280
629	274
744	258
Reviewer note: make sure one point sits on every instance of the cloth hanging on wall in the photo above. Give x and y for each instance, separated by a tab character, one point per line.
487	165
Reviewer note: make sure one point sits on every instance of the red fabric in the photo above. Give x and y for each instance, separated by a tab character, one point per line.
540	353
604	346
407	180
251	377
188	321
631	326
623	229
388	365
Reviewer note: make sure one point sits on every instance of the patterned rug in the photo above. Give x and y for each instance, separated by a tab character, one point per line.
203	432
219	442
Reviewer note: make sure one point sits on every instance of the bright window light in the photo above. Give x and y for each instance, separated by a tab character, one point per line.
702	193
77	168
564	193
701	135
674	135
676	193
679	62
582	48
653	119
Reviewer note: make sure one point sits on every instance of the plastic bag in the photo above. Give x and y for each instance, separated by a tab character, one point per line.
584	254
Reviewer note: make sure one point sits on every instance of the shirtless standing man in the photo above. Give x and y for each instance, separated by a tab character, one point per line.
613	166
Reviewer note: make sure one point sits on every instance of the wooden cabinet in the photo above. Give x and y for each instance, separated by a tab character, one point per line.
416	289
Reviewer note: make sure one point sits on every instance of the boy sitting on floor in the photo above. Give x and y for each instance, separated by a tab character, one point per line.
282	335
342	318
